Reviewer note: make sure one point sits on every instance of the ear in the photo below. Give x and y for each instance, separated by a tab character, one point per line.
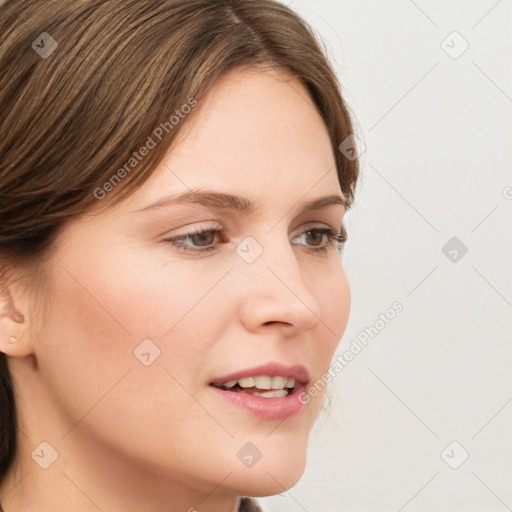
14	333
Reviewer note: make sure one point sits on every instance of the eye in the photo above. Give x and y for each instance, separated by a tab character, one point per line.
204	239
319	239
199	240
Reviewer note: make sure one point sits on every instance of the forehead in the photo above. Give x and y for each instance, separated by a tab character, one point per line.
254	129
264	113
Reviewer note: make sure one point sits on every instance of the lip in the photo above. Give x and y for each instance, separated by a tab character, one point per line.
267	408
297	372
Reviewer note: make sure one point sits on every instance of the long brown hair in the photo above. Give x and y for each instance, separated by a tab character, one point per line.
85	84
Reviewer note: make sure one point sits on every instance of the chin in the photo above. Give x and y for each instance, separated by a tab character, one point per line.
276	474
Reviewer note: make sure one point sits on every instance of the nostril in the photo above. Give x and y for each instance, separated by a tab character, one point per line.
273	322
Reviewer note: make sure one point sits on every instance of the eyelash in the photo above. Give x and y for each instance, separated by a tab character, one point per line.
332	237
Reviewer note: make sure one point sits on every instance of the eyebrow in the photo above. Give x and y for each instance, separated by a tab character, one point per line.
232	202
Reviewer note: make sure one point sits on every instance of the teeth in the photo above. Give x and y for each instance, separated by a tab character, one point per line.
262	382
278	383
246	382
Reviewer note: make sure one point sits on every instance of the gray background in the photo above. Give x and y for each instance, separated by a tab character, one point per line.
436	125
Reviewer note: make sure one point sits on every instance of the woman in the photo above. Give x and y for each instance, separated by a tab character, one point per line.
172	198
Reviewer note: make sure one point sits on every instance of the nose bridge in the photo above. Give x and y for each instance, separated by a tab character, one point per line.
275	290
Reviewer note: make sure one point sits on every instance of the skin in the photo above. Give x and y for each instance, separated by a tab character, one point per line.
131	437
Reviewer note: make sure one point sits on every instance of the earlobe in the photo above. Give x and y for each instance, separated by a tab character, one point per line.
14	346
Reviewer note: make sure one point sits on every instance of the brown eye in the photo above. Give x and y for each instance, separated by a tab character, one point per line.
204	238
201	240
315	237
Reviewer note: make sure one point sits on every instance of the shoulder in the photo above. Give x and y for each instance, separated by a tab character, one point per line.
249	505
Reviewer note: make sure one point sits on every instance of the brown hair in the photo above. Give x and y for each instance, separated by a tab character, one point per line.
85	83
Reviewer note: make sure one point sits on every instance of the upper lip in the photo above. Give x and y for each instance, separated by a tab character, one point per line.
297	372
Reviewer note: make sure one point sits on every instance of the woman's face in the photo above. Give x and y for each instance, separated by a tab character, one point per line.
139	325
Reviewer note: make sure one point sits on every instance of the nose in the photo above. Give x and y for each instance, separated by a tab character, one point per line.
275	294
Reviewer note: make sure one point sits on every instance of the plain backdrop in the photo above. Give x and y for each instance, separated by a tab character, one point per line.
421	418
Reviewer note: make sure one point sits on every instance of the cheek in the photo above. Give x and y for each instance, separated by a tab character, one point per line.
119	294
103	315
334	299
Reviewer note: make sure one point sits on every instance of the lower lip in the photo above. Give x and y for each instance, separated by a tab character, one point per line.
267	408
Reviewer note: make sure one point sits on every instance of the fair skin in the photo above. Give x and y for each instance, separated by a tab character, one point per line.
131	437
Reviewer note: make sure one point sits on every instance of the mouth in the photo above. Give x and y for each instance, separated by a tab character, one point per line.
270	391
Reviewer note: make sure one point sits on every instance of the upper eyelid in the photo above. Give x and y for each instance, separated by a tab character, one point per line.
221	227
